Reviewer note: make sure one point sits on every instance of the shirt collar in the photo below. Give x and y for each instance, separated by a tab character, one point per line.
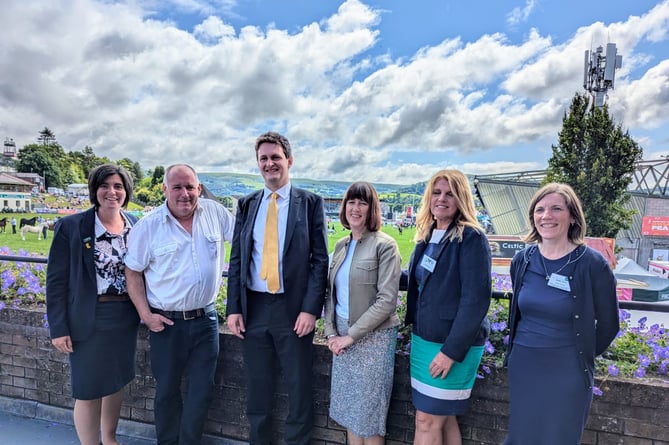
100	228
283	192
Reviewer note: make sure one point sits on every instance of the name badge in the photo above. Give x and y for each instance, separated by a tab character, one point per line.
428	263
559	282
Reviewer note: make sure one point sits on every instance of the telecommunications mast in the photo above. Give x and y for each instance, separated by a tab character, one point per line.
599	71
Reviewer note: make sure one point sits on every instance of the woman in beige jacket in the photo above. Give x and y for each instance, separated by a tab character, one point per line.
360	318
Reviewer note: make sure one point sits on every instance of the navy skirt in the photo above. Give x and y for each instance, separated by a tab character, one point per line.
105	362
550	398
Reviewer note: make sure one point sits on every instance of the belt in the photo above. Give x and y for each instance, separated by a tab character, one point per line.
255	294
186	315
104	298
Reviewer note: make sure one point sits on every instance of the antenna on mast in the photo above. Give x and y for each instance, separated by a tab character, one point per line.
599	71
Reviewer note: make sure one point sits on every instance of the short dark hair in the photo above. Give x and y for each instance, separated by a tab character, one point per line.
273	137
363	191
98	175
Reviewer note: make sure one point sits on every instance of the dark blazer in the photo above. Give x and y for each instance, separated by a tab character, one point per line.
305	254
451	304
71	286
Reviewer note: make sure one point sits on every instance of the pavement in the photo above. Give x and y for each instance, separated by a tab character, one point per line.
25	422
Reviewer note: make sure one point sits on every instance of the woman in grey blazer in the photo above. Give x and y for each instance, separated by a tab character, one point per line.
90	314
360	318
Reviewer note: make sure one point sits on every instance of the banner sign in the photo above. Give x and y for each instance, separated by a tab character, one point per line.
655	226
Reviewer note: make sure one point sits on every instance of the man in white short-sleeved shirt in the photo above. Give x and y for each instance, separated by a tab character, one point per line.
174	269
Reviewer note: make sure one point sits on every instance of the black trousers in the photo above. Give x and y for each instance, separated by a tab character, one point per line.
269	335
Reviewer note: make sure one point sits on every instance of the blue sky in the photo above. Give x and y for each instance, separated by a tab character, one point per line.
388	91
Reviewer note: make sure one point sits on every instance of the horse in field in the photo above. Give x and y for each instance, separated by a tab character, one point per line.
33	229
27	222
3	224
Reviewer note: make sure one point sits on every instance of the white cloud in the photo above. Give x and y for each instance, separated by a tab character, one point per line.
520	15
212	30
132	86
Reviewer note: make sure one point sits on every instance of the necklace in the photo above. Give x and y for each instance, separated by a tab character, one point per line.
543	262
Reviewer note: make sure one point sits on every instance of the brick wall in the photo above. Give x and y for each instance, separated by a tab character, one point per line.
628	413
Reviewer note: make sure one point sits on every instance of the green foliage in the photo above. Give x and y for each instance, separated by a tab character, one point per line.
48	159
43	160
597	158
157	176
133	168
149	191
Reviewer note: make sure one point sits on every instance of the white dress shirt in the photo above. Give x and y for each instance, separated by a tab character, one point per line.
182	271
283	200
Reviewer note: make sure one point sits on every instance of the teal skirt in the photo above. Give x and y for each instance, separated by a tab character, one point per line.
442	397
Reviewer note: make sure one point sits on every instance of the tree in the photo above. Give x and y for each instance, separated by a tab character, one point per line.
40	159
86	160
46	137
133	168
158	173
597	158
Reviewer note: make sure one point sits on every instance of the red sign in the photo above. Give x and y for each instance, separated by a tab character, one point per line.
655	225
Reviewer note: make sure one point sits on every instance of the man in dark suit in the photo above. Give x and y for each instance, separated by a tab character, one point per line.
278	317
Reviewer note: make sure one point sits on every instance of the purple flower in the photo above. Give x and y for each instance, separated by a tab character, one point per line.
498	326
613	370
640	372
596	391
644	361
489	348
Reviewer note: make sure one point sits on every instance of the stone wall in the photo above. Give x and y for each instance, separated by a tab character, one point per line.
633	412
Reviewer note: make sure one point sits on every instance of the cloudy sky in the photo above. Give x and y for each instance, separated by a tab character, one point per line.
382	90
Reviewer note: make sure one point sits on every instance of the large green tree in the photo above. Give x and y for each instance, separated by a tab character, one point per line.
43	160
86	160
597	158
133	168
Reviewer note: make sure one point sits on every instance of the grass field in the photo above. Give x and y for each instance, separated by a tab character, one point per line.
31	244
41	247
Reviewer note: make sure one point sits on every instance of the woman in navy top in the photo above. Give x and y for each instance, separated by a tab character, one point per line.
564	312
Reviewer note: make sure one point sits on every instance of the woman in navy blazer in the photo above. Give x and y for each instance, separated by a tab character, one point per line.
447	301
90	314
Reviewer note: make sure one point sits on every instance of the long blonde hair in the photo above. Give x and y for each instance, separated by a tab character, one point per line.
464	217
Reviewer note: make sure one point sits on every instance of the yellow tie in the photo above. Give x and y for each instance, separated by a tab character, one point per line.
269	270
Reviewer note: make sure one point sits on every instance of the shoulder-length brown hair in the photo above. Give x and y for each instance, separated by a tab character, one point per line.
576	232
464	217
363	191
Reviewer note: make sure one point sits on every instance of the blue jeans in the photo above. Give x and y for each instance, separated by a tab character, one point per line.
188	348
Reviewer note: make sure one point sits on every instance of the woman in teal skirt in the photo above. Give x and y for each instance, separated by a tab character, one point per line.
447	302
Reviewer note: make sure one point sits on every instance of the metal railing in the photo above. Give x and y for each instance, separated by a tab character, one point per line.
651	306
